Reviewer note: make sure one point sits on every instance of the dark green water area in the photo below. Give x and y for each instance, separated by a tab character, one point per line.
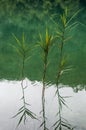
32	18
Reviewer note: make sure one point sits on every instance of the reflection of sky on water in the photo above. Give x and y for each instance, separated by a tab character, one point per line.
10	94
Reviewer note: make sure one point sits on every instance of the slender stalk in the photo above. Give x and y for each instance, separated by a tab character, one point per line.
22	86
61	101
43	90
45	46
57	82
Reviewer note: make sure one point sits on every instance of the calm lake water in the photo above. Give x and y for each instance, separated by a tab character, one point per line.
11	93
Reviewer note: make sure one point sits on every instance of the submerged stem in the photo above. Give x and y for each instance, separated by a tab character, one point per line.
43	90
58	77
61	123
45	45
22	85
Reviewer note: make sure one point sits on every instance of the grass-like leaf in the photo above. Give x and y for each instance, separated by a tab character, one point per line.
57	126
71	26
17	40
30	114
21	108
68	127
20	120
18	113
41	124
56	123
73	16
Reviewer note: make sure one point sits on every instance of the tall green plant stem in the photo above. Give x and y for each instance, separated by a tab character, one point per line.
61	123
61	65
61	58
45	45
43	89
22	85
57	79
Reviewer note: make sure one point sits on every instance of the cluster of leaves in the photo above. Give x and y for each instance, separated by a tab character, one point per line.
22	49
24	112
61	122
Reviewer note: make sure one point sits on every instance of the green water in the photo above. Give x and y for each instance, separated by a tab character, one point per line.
10	64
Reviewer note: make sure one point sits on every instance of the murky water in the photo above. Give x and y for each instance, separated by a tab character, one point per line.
10	94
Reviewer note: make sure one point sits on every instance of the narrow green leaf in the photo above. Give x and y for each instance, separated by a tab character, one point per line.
21	108
56	123
66	123
71	25
66	11
47	37
57	126
63	19
67	39
27	58
23	38
18	113
57	113
67	96
59	34
66	126
62	98
74	15
17	40
29	113
42	124
41	38
84	25
59	27
21	118
19	52
63	62
27	104
64	103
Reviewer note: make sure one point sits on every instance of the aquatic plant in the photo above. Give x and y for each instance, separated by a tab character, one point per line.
64	28
23	51
45	46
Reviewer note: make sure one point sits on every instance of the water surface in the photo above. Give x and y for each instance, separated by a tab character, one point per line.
10	94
